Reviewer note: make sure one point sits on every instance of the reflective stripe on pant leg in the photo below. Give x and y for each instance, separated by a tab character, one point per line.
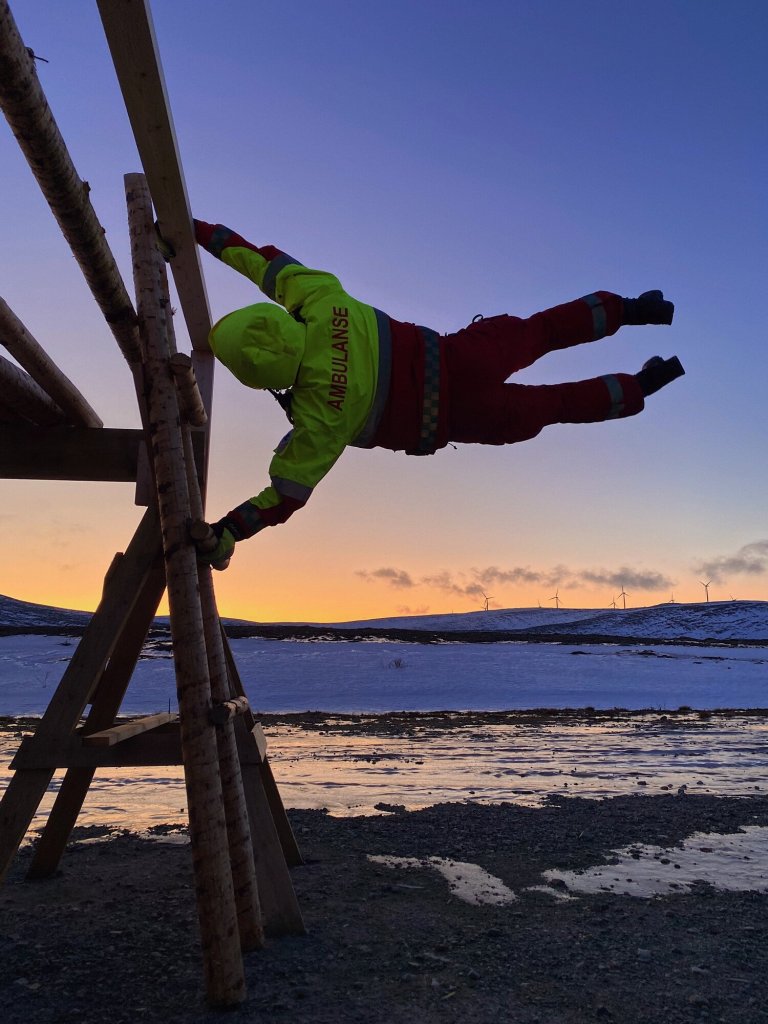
599	318
616	391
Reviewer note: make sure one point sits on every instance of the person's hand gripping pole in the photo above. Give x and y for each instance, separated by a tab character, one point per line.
214	543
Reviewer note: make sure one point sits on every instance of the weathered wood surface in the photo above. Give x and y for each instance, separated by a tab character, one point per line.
26	398
105	704
86	667
29	452
190	400
229	709
131	38
126	730
241	848
26	109
32	357
162	746
223	966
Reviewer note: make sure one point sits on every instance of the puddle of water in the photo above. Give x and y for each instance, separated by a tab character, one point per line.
737	862
524	764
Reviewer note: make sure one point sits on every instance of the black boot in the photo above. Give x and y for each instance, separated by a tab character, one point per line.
658	372
648	308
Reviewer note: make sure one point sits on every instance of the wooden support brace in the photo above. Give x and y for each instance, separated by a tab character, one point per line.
27	398
30	452
26	789
226	710
131	39
27	112
120	733
39	365
105	704
161	746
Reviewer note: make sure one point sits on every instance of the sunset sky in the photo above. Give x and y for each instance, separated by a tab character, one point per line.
443	159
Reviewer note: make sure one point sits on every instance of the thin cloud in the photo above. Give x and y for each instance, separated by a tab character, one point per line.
625	577
446	581
476	582
751	560
498	577
396	577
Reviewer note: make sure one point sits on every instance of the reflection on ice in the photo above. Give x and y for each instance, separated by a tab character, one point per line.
417	766
736	862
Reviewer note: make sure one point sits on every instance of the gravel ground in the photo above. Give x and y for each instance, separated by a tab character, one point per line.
113	936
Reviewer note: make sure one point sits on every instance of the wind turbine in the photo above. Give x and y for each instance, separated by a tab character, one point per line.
487	599
625	595
706	587
556	598
613	604
672	599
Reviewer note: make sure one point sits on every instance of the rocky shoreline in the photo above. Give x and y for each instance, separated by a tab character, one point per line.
114	937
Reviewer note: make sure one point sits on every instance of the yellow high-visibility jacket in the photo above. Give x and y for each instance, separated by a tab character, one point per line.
339	377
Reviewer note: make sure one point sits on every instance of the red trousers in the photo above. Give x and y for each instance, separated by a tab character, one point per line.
483	409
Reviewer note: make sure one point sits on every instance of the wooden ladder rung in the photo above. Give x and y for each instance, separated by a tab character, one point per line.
118	733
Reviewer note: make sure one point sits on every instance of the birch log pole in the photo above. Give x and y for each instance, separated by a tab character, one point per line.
241	852
26	109
30	355
222	959
26	398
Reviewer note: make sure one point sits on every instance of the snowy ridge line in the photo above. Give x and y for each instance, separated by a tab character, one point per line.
716	623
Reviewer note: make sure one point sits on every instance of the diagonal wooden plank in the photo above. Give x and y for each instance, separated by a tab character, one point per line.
131	39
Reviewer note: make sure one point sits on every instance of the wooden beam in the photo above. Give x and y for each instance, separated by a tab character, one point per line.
24	104
131	39
222	959
29	354
160	747
68	453
25	397
75	453
121	733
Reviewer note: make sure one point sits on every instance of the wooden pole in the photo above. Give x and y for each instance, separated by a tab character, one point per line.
26	109
42	369
241	853
27	398
225	981
190	399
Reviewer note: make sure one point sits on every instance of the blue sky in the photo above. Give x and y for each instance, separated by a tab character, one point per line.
443	160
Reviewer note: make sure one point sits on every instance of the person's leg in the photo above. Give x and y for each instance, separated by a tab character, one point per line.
493	349
508	413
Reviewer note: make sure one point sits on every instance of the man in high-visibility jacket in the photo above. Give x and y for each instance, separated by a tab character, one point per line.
354	376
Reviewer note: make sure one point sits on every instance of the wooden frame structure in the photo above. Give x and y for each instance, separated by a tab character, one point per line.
242	844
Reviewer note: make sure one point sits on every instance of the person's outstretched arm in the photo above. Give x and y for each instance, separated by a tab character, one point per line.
281	277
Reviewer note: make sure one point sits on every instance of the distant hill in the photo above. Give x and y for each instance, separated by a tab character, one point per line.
728	622
714	620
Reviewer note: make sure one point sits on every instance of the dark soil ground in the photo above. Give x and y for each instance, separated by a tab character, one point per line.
113	937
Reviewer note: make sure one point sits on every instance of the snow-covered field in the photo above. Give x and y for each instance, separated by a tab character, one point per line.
364	676
387	675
